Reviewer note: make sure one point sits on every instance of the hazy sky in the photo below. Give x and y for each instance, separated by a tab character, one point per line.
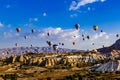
58	18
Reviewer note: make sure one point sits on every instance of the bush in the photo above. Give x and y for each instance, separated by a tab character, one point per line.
48	78
117	72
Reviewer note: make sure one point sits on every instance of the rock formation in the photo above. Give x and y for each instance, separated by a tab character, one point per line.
109	66
113	49
72	60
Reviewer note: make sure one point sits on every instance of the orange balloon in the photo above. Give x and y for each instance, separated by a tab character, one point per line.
18	29
95	27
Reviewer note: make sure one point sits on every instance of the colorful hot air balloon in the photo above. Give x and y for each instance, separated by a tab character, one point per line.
101	31
93	43
62	44
73	43
95	27
77	26
117	35
32	30
74	36
55	47
82	35
83	39
25	37
49	43
16	44
18	29
48	34
94	51
8	53
88	37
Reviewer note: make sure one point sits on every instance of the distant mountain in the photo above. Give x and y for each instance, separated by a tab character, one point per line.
22	50
113	49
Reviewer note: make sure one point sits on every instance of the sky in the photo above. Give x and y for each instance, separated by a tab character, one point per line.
59	19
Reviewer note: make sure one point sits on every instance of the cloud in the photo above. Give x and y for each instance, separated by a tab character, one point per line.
33	19
73	15
7	35
1	24
59	34
44	14
103	0
102	35
76	5
28	25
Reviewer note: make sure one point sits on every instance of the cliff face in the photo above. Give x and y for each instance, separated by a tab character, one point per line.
72	60
110	66
113	49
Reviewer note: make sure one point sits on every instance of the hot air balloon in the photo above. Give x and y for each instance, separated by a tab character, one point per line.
101	31
62	44
82	35
32	30
55	47
94	51
117	35
74	36
73	43
16	44
95	27
18	29
25	37
48	34
8	53
26	51
77	26
88	37
49	43
103	46
93	44
83	39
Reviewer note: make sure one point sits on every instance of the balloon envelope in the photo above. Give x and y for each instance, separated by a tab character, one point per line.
62	44
32	30
48	34
25	37
83	39
74	43
16	44
55	47
49	43
95	27
88	37
82	35
18	29
117	35
101	31
77	26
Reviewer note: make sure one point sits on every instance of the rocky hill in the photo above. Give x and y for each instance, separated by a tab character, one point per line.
109	66
52	60
112	50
